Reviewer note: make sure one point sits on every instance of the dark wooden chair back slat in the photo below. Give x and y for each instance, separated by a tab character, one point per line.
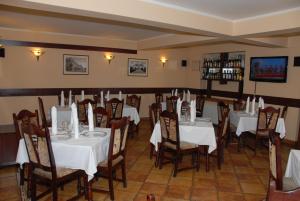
171	103
25	117
114	108
82	108
42	112
170	128
154	113
101	118
159	98
200	101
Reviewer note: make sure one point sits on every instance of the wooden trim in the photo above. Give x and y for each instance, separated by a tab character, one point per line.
66	46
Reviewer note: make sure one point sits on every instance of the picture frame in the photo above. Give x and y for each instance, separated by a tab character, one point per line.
137	67
75	64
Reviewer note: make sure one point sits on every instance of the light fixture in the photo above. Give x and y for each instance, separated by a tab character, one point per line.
37	52
109	57
163	60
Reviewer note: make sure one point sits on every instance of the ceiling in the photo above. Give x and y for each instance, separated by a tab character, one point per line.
231	9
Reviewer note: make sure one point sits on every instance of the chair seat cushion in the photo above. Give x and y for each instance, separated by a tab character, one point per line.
114	162
183	145
60	171
289	184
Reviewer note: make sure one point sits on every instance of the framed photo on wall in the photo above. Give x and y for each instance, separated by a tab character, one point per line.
137	67
76	64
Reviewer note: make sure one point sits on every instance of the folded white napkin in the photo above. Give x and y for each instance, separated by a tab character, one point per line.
247	105
74	119
253	106
107	95
62	99
188	97
262	103
70	98
178	107
101	99
193	111
175	94
172	92
183	96
120	95
259	102
54	120
90	117
82	95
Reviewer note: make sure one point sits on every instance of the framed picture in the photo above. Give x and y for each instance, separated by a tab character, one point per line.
137	67
76	64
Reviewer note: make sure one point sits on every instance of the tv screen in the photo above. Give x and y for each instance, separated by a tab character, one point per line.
268	69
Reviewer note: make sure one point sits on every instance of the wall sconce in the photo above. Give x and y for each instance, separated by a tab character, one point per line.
163	60
109	57
37	52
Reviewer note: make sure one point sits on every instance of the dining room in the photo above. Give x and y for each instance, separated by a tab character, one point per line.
170	100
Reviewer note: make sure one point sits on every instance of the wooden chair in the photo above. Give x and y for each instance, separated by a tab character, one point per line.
26	117
200	101
159	98
185	108
221	107
154	114
83	108
266	121
239	105
280	188
171	143
134	101
171	103
97	99
284	112
45	122
221	138
114	108
42	162
116	155
101	117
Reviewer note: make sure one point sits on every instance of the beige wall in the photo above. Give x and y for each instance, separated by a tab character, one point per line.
19	69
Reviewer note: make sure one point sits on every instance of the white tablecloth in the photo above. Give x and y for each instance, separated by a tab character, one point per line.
83	153
293	166
199	132
246	122
64	114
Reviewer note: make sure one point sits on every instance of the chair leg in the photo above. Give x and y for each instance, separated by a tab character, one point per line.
219	157
161	157
111	186
124	174
206	157
78	185
198	160
54	192
151	150
33	188
175	166
21	174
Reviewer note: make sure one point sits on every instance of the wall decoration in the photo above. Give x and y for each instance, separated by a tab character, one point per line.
76	64
137	67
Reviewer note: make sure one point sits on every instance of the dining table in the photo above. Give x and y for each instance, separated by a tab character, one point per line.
247	122
83	153
293	166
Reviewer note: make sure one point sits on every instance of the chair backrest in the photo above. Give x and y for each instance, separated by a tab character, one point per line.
185	107
239	105
83	108
114	108
134	101
275	160
267	118
26	117
200	101
42	112
154	113
171	103
118	137
223	126
221	107
169	128
101	117
284	112
39	149
159	98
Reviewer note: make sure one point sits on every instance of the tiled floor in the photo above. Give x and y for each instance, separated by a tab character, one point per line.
243	177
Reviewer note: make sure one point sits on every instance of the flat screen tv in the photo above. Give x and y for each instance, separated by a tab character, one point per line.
268	69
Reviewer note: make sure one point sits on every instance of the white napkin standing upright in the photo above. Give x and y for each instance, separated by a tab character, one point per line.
262	103
101	99
188	97
75	121
120	95
107	95
172	92
178	108
54	120
193	111
184	96
253	106
175	94
62	99
247	105
70	98
259	102
82	95
90	117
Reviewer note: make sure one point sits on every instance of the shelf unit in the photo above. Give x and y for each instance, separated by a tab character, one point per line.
224	67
